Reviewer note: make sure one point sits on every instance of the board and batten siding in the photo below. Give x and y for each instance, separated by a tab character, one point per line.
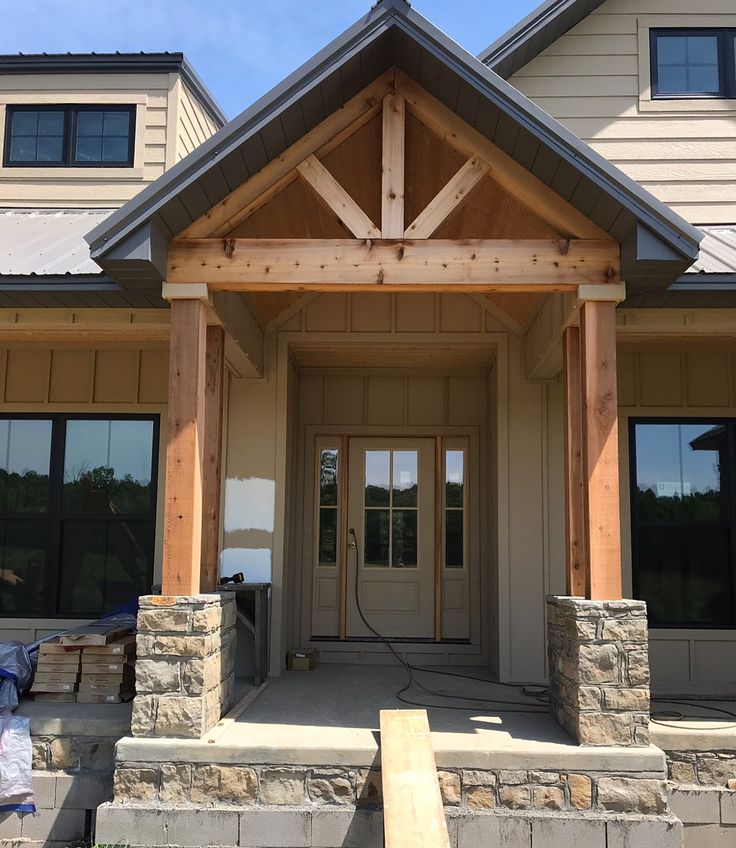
595	80
195	124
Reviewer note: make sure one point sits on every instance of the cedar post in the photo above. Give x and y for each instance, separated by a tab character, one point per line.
214	381
576	553
184	451
602	524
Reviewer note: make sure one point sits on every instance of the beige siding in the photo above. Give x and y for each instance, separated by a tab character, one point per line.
595	80
195	124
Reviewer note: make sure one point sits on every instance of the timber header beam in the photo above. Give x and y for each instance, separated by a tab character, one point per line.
393	264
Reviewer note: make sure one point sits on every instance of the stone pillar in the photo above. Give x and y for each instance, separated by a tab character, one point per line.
599	670
185	665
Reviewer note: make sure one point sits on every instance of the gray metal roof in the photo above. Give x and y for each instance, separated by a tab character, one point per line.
717	251
114	63
658	244
540	28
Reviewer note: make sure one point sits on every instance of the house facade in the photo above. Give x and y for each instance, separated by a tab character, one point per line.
420	339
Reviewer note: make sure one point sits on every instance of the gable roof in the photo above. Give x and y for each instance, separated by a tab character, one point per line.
540	28
657	244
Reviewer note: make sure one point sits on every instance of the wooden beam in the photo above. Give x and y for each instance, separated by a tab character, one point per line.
413	814
328	189
182	540
280	171
393	166
505	170
85	333
576	553
600	450
211	483
419	265
447	200
245	336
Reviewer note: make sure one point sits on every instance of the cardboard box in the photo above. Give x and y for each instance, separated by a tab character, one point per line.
65	661
59	697
56	677
94	634
55	648
111	698
123	646
302	660
41	686
105	667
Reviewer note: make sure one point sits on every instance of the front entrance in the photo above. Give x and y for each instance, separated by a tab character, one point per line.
391	538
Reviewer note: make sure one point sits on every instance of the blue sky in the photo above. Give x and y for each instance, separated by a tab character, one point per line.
240	49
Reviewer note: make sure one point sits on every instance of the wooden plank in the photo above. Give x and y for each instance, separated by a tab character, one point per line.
412	805
393	166
251	195
212	473
576	554
344	546
439	501
327	188
447	199
600	449
505	170
182	538
85	333
401	265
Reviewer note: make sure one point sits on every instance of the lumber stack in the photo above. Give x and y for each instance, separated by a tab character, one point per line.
108	672
57	673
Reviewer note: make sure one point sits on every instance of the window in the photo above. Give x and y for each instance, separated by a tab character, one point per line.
71	136
693	63
454	508
77	512
683	520
328	507
391	508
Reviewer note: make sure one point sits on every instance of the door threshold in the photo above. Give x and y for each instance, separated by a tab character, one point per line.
397	640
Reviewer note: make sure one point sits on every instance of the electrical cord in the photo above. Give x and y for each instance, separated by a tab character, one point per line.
411	669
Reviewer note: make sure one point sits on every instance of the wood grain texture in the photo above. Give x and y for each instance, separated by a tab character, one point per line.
576	553
600	449
412	805
182	542
212	472
424	264
393	168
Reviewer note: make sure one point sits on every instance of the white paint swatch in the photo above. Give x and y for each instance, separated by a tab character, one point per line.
249	504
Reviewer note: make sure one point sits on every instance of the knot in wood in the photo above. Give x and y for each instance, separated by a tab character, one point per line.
229	245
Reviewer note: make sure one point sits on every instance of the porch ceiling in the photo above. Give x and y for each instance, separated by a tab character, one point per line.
407	355
657	245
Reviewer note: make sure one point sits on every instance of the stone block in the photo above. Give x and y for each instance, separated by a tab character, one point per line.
115	825
480	797
347	828
264	828
215	784
144	715
156	645
55	826
175	783
598	664
637	668
181	717
563	831
44	790
83	791
39	754
330	787
368	787
481	778
548	798
450	789
682	772
631	630
728	807
202	674
631	795
545	777
63	753
716	771
581	791
663	832
195	828
696	806
626	699
482	830
282	786
514	797
157	675
163	620
135	785
708	836
604	729
588	698
206	620
512	778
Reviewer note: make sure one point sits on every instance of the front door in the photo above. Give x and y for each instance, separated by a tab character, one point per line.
391	538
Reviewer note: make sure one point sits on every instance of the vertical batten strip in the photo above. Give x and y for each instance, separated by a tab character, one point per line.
576	554
392	181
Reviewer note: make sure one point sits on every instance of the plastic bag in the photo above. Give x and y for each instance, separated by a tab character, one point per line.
16	783
15	673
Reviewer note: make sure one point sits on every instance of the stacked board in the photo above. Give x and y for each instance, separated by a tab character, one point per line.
91	664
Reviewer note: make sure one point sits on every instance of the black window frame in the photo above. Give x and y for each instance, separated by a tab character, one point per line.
726	62
729	521
56	515
71	111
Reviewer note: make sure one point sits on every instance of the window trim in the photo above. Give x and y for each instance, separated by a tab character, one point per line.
56	515
729	522
726	36
71	112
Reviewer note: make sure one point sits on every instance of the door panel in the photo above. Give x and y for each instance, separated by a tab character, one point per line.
391	511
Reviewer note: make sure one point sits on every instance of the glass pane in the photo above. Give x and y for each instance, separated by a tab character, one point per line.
107	466
117	123
25	123
684	575
88	149
671	49
376	537
404	538
104	564
22	561
687	64
454	478
23	149
51	123
377	477
328	478
405	478
49	149
89	123
25	452
672	80
680	470
702	50
704	78
454	538
328	536
115	149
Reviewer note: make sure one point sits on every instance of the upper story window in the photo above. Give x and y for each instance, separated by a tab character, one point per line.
693	63
69	136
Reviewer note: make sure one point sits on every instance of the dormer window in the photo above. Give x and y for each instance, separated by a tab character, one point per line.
693	63
69	136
